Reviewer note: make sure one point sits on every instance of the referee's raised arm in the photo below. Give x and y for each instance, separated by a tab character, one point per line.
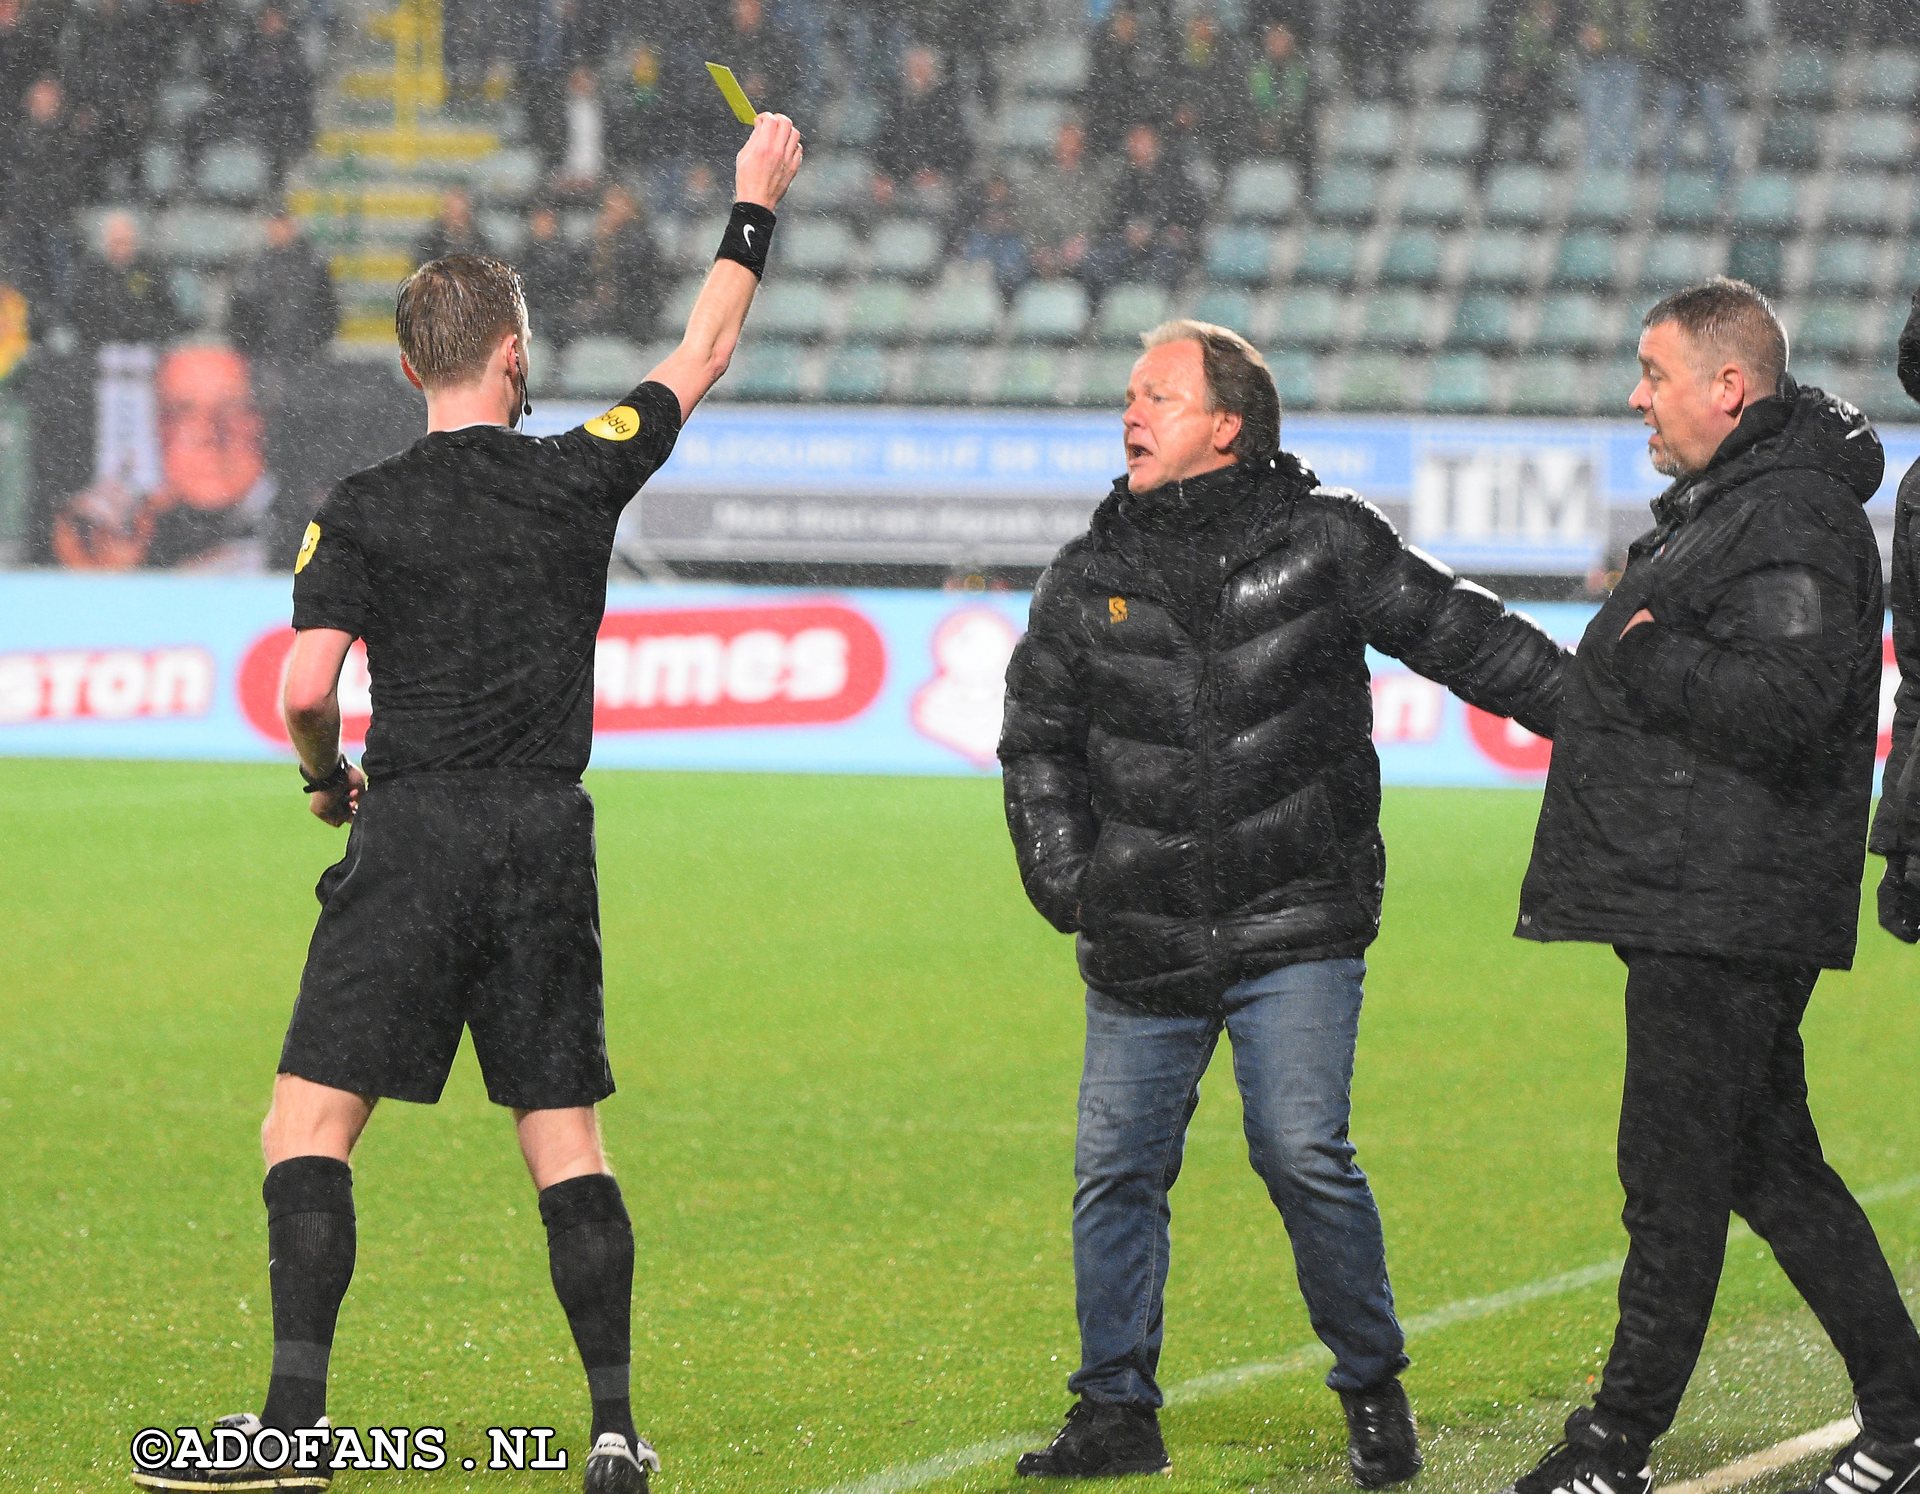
762	172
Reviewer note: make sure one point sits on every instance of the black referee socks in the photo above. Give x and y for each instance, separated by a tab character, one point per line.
749	231
310	1248
590	1252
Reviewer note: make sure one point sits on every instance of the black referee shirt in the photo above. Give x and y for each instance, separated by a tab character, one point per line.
474	564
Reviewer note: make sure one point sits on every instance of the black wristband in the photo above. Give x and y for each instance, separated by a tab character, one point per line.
749	231
332	783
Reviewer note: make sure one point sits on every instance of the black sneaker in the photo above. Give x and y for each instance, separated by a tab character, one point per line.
617	1466
1595	1459
1098	1441
1382	1446
1868	1465
182	1476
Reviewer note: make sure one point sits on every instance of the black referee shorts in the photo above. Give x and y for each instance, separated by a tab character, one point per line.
464	900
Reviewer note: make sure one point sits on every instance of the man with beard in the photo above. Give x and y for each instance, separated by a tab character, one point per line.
1704	815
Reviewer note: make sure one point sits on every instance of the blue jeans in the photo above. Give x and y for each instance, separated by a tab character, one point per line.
1293	1033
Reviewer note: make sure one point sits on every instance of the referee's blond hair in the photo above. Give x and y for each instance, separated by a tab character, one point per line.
452	311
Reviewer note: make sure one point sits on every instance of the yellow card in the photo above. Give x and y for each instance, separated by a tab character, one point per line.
729	86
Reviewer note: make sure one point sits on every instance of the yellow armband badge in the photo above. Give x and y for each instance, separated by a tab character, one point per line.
308	544
621	423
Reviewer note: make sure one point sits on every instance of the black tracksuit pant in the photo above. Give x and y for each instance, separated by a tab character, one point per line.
1713	1122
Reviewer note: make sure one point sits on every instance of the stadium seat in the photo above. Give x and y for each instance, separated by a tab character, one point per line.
1129	310
1437	194
1034	376
1828	329
1875	140
945	374
769	371
1871	203
856	374
1373	382
1028	126
206	235
833	180
233	171
1103	378
908	247
1603	199
160	168
961	310
1394	319
505	233
191	293
1450	132
1458	384
1845	266
1519	196
1805	78
1790	140
1049	311
1296	379
818	246
1690	199
1586	259
1329	254
1767	201
1610	386
882	311
1483	321
1225	306
1348	195
1466	73
1677	259
1055	67
1892	80
1309	317
1760	261
1239	256
1263	191
1577	324
600	367
1367	132
1504	258
1413	257
797	309
510	176
1546	386
1874	388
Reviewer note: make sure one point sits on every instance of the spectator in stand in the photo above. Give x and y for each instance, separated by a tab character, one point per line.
622	270
1126	79
923	143
1530	50
577	155
454	231
1150	236
265	95
114	64
761	58
646	126
1199	83
1614	38
804	24
1375	38
1278	101
283	309
1693	58
553	277
122	296
994	239
566	34
1060	205
193	30
37	210
27	51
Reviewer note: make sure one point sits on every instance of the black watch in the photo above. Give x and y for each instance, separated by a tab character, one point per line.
335	780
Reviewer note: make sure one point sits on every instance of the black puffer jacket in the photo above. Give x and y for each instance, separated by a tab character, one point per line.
1712	771
1194	791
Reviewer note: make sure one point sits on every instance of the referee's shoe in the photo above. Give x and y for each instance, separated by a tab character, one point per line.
1594	1459
184	1473
617	1466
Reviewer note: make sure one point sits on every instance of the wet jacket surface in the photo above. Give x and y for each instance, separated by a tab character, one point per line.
1190	777
1712	771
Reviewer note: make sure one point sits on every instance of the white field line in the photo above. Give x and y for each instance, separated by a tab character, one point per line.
1834	1435
905	1476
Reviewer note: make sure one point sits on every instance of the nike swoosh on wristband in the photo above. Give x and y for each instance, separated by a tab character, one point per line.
746	232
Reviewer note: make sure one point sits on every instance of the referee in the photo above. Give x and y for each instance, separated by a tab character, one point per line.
474	564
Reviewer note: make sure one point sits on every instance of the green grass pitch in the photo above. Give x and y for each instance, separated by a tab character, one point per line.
847	1054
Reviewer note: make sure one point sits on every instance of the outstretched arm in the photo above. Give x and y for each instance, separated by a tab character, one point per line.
762	172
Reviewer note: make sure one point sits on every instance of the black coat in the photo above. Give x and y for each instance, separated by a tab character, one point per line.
1193	789
1711	775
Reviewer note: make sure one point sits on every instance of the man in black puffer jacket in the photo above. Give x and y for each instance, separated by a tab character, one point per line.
1896	828
1192	789
1704	814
